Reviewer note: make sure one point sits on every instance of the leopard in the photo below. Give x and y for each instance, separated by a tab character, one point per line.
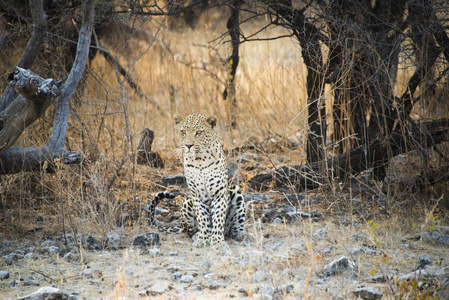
213	210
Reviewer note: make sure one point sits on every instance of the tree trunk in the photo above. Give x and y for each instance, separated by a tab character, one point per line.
360	159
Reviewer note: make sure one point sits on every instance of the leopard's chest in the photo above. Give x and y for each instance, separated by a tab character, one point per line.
205	173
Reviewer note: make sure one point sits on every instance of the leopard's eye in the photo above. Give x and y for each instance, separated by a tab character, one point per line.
183	132
198	132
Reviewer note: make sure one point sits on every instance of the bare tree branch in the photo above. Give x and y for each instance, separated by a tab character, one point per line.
16	159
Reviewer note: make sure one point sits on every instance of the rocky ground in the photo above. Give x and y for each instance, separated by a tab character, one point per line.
292	252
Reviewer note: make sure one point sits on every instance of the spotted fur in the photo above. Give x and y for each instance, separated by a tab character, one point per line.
213	210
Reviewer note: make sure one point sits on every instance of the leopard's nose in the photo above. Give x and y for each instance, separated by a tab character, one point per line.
189	146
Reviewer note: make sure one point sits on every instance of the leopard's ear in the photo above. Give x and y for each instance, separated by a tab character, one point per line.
178	119
212	121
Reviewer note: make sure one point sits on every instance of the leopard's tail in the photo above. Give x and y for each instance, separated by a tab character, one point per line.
151	210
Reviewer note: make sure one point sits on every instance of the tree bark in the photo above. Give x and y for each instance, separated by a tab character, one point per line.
229	93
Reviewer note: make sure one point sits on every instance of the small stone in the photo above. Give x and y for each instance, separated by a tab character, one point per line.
424	260
178	180
173	253
320	233
88	241
47	292
338	266
4	275
154	251
213	285
30	281
205	265
149	239
70	256
180	290
369	250
53	250
359	236
87	274
287	272
296	249
11	258
176	275
159	288
277	221
436	237
113	240
29	255
255	197
187	278
404	247
259	276
267	291
285	289
368	293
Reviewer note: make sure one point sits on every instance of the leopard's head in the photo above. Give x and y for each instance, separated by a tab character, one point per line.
196	131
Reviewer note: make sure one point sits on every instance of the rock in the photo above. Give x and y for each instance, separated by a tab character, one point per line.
320	233
261	181
159	288
173	253
178	180
266	291
154	251
205	265
88	241
414	274
368	293
4	275
287	272
314	215
359	237
213	285
338	266
44	293
255	197
296	198
285	289
404	247
12	258
259	276
180	290
273	246
70	256
53	250
29	255
436	237
113	241
424	260
87	274
149	239
296	249
176	275
30	281
187	279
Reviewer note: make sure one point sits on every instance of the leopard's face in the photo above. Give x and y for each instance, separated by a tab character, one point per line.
196	132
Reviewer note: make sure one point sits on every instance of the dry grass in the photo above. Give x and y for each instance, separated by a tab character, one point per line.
271	98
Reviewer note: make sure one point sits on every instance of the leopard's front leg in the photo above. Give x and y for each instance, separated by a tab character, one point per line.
202	237
219	208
